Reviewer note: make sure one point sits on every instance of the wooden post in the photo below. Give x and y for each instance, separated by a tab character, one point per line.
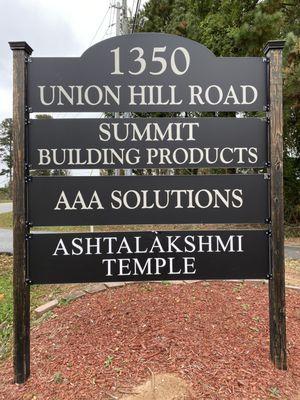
273	52
21	290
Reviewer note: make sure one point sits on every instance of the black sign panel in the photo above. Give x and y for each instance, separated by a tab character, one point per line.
147	72
147	143
112	200
142	256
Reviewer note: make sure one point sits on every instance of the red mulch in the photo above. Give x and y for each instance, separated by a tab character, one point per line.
214	335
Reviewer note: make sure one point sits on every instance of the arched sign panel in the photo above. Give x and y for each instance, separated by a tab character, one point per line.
147	72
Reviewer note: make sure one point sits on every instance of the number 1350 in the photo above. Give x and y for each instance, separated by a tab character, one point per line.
159	63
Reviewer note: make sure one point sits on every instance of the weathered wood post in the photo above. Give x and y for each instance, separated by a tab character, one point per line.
21	290
273	51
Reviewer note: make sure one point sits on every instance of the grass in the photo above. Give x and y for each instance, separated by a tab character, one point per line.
6	220
40	294
43	293
6	301
292	231
62	228
58	378
5	201
108	361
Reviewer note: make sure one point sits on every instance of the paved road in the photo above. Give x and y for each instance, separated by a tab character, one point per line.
5	207
292	252
6	236
6	245
6	240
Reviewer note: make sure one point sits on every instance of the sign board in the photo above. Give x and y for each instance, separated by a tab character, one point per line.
144	73
148	143
141	256
113	200
147	72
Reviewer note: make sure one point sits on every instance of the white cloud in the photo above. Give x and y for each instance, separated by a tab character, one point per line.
53	28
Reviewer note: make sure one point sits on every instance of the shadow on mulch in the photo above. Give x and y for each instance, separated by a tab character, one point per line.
213	335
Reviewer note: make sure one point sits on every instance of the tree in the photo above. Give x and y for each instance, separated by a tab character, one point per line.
241	28
6	145
6	156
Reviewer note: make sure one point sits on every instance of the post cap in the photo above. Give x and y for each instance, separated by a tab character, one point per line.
274	45
21	46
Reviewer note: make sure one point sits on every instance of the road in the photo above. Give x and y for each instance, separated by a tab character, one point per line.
5	207
6	238
292	252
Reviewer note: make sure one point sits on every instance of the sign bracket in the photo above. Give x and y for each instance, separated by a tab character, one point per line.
268	163
28	59
269	234
267	63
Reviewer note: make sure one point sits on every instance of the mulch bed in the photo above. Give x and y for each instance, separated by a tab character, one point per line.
214	335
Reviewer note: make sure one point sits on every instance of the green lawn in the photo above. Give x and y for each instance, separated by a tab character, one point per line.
40	294
6	317
6	220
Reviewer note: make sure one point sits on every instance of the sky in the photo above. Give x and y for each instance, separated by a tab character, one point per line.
53	28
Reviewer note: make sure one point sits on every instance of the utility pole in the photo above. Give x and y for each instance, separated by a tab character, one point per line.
125	31
125	27
118	33
118	18
122	28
